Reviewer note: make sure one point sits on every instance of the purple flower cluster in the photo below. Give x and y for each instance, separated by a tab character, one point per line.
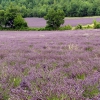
56	65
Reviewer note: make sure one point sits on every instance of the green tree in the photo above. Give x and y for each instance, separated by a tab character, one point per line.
10	15
98	11
23	11
11	18
2	18
54	18
19	22
39	8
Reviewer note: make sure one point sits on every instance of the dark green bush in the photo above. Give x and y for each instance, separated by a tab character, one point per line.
19	22
49	28
1	28
54	18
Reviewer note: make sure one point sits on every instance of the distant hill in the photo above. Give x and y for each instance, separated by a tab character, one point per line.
39	8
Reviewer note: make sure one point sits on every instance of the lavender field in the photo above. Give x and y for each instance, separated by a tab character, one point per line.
40	22
56	65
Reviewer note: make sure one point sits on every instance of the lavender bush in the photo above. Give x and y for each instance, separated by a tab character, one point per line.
57	65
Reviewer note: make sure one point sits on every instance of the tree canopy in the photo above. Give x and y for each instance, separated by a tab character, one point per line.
39	8
54	18
11	18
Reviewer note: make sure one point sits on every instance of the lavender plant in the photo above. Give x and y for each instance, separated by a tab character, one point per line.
57	65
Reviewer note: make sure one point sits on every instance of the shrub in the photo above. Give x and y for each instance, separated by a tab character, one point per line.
36	29
54	19
96	24
49	28
2	18
41	29
0	26
68	27
19	22
79	26
9	16
87	27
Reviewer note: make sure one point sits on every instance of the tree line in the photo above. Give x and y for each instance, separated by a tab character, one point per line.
11	18
39	8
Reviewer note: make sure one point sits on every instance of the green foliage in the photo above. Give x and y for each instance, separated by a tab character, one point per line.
5	96
81	76
87	27
10	14
4	93
15	81
48	28
19	22
39	8
90	91
96	24
35	29
62	97
11	18
55	97
79	26
54	19
89	48
68	27
2	12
